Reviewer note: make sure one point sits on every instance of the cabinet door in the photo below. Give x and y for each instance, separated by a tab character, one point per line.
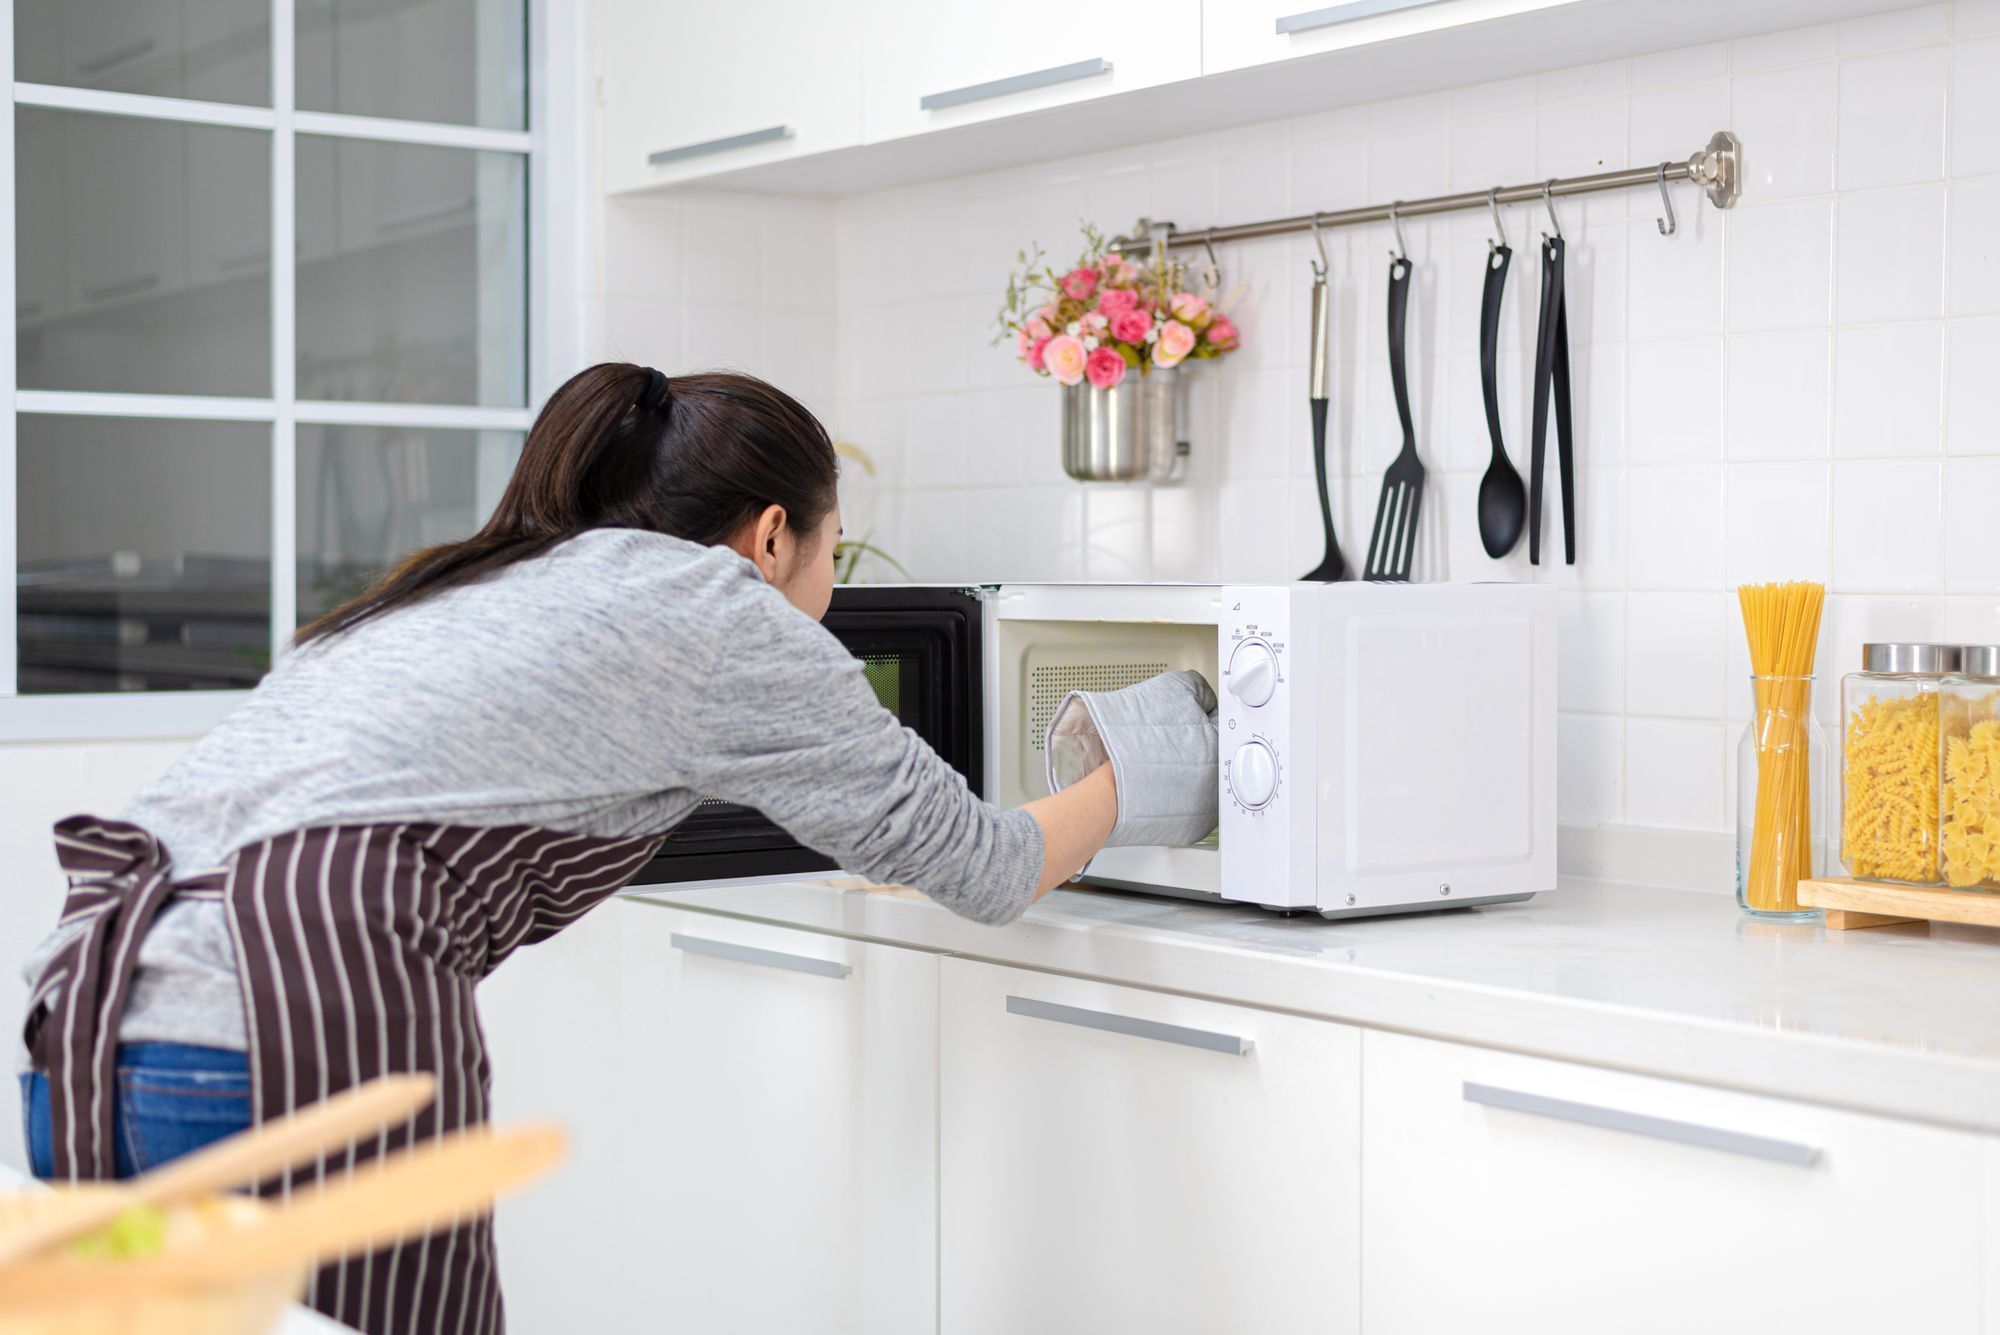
1560	1198
1120	1160
989	61
1257	32
789	1098
722	86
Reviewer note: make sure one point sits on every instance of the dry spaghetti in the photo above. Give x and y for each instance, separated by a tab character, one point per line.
1781	622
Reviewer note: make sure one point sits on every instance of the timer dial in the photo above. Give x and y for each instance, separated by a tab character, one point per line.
1253	673
1253	774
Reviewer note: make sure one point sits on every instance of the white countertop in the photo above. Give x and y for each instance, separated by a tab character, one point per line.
300	1321
1898	1020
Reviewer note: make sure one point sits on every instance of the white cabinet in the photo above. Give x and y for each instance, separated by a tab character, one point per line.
1505	1193
979	62
784	1128
1120	1160
1257	32
694	89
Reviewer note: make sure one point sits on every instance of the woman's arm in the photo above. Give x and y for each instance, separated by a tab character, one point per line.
1075	823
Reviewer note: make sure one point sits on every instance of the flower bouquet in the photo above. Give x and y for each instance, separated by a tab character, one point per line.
1087	327
1106	315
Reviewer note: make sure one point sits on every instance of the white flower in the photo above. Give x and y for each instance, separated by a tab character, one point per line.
1153	334
1072	329
1090	343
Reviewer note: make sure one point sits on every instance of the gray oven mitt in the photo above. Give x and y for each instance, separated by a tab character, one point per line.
1159	737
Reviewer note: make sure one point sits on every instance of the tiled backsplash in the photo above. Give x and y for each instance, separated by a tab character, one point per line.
1805	387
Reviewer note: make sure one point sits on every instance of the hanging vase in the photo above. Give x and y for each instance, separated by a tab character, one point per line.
1127	433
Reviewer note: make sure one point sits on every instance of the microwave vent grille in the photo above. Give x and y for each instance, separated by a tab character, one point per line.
1050	684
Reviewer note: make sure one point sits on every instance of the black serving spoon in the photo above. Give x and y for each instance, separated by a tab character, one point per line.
1503	500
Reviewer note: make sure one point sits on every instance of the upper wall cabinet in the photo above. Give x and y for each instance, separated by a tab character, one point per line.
691	90
1256	32
931	66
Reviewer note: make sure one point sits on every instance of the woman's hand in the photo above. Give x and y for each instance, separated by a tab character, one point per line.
1075	823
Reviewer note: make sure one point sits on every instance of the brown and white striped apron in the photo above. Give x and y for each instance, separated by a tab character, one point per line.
358	948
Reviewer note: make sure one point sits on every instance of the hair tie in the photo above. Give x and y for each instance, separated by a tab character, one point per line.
653	398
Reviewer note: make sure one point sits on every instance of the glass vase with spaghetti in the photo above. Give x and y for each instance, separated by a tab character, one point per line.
1781	761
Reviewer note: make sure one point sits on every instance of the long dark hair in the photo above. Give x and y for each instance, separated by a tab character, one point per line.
621	446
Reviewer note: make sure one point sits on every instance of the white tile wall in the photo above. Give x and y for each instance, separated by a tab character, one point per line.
1805	387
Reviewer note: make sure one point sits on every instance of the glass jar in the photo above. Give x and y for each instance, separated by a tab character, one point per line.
1780	799
1969	774
1889	762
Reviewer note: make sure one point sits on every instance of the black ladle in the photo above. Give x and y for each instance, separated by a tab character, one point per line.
1503	500
1332	566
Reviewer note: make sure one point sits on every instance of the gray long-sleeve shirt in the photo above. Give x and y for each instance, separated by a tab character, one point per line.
604	688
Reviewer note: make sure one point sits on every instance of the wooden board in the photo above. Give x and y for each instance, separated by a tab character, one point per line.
1851	903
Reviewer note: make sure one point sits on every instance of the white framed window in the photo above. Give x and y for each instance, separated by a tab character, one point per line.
272	264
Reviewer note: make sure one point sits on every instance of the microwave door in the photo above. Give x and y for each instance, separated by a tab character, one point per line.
920	650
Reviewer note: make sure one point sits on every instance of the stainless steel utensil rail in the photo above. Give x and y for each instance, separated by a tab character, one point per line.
1716	168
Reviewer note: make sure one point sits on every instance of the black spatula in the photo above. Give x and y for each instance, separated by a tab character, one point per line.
1392	550
1332	567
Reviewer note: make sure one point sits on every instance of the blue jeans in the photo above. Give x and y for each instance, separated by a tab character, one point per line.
171	1099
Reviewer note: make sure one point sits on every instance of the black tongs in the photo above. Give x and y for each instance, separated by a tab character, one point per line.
1552	372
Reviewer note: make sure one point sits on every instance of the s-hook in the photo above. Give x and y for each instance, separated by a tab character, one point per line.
1319	266
1549	203
1214	277
1667	224
1401	252
1499	241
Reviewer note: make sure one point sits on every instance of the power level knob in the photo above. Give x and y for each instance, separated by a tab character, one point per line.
1253	673
1253	774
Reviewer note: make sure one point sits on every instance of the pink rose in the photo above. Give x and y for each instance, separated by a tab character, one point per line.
1131	326
1039	328
1105	368
1175	342
1063	357
1096	323
1080	282
1035	353
1221	334
1117	300
1188	308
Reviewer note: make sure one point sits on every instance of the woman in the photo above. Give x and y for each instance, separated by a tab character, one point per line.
471	755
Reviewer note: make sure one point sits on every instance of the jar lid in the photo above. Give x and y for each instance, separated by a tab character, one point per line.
1914	659
1979	660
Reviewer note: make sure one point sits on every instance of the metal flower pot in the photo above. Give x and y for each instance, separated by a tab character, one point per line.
1128	433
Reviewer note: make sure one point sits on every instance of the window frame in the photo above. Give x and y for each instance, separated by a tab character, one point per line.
555	117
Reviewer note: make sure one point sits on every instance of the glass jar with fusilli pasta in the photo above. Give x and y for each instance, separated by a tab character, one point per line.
1889	762
1969	780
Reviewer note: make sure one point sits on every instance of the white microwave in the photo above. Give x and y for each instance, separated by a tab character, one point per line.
1385	748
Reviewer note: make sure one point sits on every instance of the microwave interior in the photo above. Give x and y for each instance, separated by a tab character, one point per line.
1041	662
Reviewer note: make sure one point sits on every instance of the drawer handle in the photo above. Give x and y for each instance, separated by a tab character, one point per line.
767	135
1347	13
1206	1039
773	959
1014	83
1640	1124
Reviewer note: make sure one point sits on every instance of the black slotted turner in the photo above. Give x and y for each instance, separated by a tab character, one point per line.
1392	549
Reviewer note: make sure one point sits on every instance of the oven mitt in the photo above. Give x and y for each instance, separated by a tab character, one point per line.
1159	738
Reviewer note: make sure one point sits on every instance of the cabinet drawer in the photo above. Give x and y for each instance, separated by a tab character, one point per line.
1257	32
1556	1195
1115	1159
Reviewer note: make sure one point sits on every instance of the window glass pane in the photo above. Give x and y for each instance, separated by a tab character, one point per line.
369	496
462	61
212	50
143	254
413	272
145	553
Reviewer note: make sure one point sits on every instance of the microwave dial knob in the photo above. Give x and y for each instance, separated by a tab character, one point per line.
1253	673
1253	774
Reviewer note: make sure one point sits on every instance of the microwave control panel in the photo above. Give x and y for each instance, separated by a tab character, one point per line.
1265	778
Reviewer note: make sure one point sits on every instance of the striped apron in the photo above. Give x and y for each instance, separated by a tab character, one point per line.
358	948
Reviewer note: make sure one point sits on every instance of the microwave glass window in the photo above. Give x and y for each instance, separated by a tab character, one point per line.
885	676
